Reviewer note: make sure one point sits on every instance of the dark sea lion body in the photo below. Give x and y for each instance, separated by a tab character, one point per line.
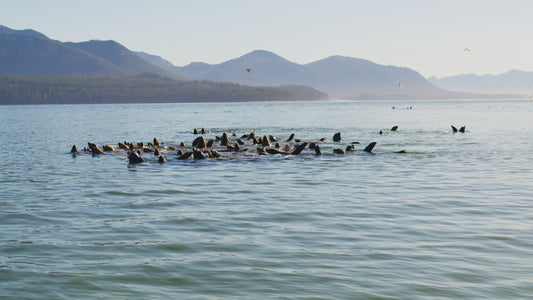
134	157
337	137
94	149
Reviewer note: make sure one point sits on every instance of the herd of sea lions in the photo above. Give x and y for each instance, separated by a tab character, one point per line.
228	147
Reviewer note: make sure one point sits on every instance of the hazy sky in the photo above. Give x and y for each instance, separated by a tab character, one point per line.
429	36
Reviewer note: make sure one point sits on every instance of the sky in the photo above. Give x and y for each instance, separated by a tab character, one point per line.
429	36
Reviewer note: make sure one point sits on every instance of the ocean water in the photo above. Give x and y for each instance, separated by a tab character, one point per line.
452	218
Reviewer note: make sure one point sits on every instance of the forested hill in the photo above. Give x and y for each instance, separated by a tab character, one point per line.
28	52
145	88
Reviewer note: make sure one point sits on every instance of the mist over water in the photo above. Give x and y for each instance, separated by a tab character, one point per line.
450	219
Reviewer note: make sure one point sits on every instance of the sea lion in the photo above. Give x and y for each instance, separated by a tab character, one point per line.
462	129
135	157
74	149
214	154
94	149
197	154
199	142
337	137
338	151
108	148
261	151
156	142
210	143
185	155
161	159
265	141
274	151
122	146
157	152
224	140
195	131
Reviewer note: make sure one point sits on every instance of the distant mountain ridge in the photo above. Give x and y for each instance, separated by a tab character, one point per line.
338	76
514	82
27	52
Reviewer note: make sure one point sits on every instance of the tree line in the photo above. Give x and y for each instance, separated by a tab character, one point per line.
144	88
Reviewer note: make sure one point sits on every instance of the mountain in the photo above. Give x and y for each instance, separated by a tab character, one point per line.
27	52
156	60
338	76
514	81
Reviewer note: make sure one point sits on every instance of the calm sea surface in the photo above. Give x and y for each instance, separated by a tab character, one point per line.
450	219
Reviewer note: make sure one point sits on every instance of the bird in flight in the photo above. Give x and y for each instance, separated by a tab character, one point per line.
467	50
248	69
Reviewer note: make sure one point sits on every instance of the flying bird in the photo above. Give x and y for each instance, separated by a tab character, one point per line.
248	69
400	84
467	50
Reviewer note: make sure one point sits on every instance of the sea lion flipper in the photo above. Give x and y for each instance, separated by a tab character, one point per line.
299	149
370	147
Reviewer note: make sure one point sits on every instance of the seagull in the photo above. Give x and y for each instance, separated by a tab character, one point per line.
248	69
467	50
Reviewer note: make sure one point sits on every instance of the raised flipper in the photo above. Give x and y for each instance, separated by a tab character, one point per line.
317	150
462	129
454	129
394	128
290	138
370	147
299	149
